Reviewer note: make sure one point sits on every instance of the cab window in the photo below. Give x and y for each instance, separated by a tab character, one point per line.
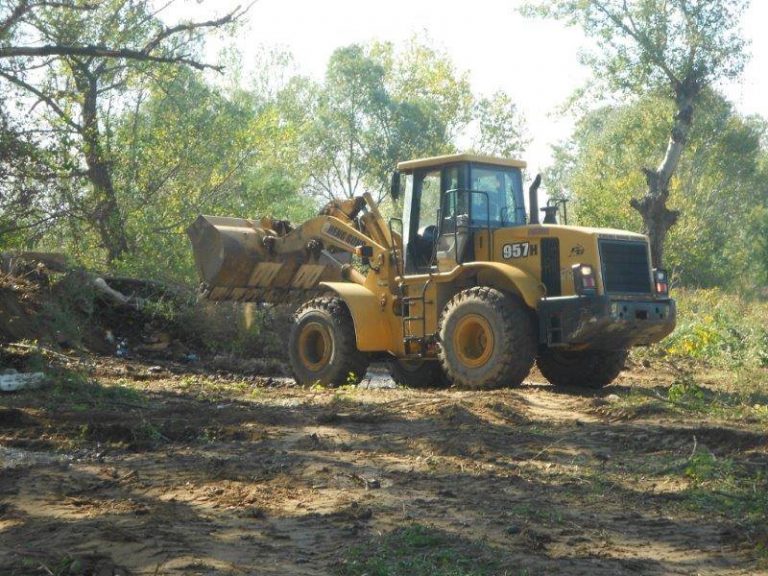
429	200
496	205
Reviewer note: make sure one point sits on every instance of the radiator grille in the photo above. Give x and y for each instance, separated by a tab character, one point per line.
550	265
625	266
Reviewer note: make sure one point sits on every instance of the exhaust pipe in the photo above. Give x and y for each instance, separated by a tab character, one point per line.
533	200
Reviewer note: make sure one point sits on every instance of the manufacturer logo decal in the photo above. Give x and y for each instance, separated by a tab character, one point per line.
341	235
577	250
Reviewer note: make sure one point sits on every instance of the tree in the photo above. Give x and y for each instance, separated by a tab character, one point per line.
90	53
192	148
25	177
722	180
21	39
501	127
673	48
352	110
377	106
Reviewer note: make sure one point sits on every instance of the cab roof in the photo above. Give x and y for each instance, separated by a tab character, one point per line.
411	165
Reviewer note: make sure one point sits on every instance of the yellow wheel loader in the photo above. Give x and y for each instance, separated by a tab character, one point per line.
465	290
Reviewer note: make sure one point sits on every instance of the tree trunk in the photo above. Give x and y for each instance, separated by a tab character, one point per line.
657	218
106	214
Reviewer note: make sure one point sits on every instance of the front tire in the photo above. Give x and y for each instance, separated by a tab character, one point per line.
585	369
487	339
417	373
322	348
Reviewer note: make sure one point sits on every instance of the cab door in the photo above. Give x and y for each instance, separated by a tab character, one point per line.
453	243
420	222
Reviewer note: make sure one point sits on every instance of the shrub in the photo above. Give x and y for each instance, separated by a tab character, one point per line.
721	328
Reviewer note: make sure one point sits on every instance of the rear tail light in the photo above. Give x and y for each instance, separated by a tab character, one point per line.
660	282
584	279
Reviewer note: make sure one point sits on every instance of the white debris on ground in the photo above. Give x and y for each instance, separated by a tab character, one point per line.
377	377
11	380
18	458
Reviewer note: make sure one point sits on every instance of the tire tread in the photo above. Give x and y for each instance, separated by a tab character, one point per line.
518	338
351	359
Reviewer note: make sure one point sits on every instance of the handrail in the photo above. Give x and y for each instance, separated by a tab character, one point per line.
400	271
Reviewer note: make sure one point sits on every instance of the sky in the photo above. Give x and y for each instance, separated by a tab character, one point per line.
535	61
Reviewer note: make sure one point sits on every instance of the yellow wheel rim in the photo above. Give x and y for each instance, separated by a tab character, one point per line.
315	346
473	340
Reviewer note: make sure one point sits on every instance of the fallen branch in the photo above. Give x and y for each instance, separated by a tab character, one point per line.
655	394
117	297
42	349
545	449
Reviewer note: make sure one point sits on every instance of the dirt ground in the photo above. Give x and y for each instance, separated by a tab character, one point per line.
141	469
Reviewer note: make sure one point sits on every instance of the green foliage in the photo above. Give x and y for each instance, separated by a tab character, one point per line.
73	387
672	51
647	45
703	467
379	105
685	391
376	106
84	95
239	333
724	329
715	186
65	566
501	126
25	175
191	149
418	549
721	485
135	149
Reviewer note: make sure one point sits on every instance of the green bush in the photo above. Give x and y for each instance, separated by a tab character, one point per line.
721	328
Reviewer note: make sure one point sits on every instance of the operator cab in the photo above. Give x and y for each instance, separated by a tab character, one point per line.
447	198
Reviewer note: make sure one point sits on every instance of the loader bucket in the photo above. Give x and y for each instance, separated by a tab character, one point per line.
226	249
234	264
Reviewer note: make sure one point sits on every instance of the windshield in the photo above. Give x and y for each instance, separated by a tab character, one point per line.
501	205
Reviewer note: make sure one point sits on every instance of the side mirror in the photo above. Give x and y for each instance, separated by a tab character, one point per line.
394	188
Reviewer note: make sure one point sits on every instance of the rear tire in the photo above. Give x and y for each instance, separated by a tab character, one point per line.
586	369
322	348
417	373
487	339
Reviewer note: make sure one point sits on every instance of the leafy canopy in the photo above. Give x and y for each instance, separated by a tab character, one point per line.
643	46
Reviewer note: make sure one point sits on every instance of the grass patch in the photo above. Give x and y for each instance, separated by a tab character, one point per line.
730	489
73	388
719	328
422	550
724	486
538	513
741	398
735	396
67	380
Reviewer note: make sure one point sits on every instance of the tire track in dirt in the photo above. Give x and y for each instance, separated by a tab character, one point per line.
283	480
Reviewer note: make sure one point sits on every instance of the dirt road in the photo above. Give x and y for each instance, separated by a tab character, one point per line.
163	471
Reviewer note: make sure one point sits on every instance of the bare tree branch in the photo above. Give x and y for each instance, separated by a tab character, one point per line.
102	52
24	7
145	53
633	32
43	97
190	26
